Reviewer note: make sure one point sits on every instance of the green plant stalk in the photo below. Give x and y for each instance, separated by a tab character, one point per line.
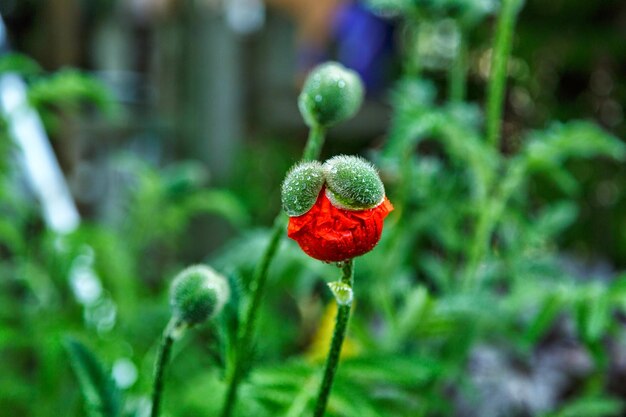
314	143
497	77
457	76
489	217
163	357
312	151
339	334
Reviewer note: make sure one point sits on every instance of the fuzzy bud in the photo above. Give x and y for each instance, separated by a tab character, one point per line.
352	183
301	187
331	94
197	294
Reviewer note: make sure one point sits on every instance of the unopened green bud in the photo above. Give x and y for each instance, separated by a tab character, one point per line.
197	294
301	187
352	183
331	93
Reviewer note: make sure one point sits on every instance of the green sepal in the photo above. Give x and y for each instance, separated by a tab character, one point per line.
301	187
352	183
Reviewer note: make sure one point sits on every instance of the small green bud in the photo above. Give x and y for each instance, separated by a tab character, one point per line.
197	294
343	292
331	94
352	183
301	187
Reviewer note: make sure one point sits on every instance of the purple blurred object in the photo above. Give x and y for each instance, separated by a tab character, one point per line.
360	40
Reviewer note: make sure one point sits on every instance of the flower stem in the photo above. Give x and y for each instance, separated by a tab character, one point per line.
162	359
457	76
339	334
314	143
497	77
488	219
312	151
245	336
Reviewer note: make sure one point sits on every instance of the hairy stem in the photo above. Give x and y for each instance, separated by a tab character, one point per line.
257	289
339	334
488	219
163	356
499	59
314	144
457	76
312	151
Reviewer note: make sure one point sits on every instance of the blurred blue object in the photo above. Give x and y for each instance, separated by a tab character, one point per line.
360	40
364	42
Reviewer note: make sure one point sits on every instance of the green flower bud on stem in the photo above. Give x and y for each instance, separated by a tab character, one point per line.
331	94
352	183
197	294
301	187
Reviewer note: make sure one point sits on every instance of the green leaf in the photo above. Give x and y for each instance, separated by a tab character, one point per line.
18	63
10	235
547	150
102	397
220	202
554	219
543	320
454	126
591	407
593	313
403	370
69	88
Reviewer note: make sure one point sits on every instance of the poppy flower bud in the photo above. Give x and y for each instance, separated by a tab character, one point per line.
197	294
346	219
331	93
352	183
301	187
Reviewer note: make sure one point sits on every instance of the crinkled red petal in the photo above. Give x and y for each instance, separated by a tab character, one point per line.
331	234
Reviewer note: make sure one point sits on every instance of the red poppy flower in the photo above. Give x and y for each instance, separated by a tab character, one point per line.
331	234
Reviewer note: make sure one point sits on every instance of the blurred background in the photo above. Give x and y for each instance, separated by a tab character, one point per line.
217	82
178	127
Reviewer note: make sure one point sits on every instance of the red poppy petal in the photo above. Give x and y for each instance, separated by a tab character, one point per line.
332	234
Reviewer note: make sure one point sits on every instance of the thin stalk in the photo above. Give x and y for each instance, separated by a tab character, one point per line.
457	76
488	219
312	151
314	144
339	334
163	357
497	78
257	289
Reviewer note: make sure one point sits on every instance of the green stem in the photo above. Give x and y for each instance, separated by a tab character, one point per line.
312	151
163	356
257	288
314	144
497	78
457	76
339	334
490	215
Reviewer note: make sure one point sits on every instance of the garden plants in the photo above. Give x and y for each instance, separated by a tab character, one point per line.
452	291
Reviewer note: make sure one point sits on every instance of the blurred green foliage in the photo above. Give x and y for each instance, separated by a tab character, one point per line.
468	307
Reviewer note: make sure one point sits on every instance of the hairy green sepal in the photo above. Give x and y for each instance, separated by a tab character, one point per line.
301	187
352	183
